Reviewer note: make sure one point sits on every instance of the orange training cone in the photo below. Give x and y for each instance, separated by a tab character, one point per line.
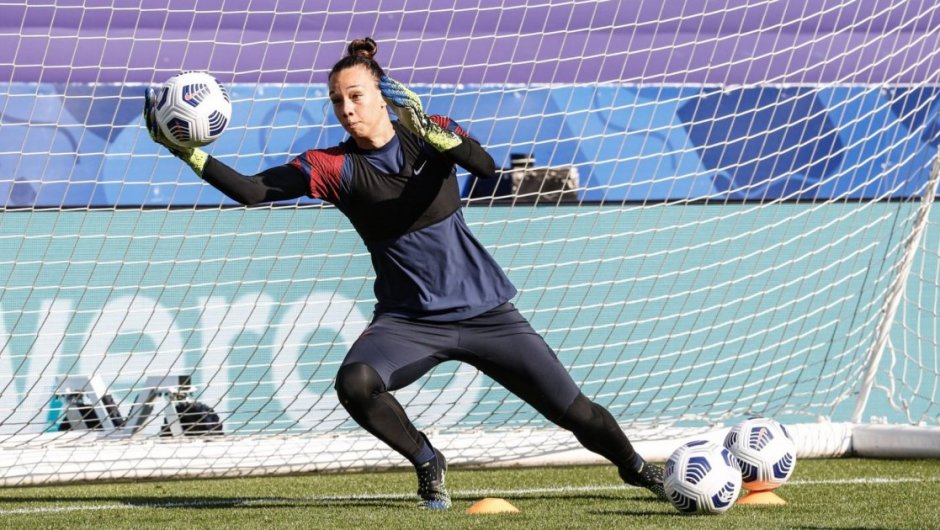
762	498
491	505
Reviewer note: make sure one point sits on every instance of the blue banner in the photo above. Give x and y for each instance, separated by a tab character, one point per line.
69	145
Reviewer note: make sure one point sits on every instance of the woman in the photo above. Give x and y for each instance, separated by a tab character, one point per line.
441	296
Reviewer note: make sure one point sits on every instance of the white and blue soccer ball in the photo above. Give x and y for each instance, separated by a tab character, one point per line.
193	109
702	477
764	450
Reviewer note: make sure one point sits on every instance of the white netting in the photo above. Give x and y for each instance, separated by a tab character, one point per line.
721	198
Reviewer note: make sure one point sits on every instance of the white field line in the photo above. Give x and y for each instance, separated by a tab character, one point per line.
472	494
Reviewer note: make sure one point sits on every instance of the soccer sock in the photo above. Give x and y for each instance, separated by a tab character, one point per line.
426	454
638	462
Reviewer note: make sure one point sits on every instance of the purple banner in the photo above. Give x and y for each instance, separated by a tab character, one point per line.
487	41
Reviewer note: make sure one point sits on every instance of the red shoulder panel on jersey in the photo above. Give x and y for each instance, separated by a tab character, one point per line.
447	123
323	167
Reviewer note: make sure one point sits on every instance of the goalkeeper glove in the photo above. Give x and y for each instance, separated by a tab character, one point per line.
406	105
193	156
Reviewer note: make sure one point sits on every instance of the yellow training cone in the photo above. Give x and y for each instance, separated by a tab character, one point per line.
491	505
761	498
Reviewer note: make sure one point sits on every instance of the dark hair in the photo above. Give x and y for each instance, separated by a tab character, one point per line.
360	52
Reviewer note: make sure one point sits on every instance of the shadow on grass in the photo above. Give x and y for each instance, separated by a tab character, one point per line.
652	502
25	504
33	504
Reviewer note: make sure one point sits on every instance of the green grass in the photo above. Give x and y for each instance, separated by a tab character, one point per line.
843	493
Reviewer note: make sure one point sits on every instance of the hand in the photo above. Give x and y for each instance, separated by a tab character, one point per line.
194	157
156	134
406	105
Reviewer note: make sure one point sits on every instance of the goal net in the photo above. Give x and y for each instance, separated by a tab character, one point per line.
711	210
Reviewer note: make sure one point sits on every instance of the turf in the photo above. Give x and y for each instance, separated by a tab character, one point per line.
843	493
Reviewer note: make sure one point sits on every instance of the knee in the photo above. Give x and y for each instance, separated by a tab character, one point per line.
582	415
358	382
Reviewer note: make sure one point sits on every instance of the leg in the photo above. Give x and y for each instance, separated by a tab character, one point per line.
599	432
503	345
391	353
363	395
542	381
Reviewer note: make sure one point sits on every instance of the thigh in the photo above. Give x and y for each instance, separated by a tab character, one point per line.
401	350
504	346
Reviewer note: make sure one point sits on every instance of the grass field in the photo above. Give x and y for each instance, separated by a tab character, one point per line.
843	493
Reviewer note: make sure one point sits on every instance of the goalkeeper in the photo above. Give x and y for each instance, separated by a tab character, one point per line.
440	295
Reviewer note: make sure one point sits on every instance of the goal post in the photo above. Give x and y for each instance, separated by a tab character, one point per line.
710	209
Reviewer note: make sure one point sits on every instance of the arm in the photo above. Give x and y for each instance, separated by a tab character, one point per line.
274	184
470	155
279	183
438	131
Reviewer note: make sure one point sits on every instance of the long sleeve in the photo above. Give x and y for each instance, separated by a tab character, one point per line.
469	155
278	183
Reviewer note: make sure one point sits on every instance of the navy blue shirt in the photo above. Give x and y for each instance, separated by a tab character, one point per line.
404	202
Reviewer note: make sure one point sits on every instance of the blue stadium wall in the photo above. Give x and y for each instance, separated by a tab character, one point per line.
86	147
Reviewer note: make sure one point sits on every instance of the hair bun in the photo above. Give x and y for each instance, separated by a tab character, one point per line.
363	48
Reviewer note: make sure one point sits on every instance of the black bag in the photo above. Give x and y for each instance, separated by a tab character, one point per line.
196	419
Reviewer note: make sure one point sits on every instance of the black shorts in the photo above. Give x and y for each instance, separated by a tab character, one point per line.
500	343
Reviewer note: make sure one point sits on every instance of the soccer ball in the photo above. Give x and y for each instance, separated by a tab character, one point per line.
765	452
193	109
702	477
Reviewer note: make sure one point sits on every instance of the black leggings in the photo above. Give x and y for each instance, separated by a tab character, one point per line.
394	352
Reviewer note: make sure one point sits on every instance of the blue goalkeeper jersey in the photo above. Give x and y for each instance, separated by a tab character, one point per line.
404	202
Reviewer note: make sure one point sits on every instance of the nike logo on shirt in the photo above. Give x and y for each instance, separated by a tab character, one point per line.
420	168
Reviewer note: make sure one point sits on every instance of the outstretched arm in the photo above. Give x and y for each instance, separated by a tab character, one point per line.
275	184
279	183
437	131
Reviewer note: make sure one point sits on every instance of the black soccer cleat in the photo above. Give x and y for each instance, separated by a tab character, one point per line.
650	476
431	488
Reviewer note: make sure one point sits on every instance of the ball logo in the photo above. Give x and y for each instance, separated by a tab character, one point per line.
195	93
759	437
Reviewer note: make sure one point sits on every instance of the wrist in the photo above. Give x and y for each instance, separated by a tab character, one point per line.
194	157
440	138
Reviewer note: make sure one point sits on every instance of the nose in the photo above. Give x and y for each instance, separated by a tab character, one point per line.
347	108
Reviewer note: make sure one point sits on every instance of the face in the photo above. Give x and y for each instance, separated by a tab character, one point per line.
358	105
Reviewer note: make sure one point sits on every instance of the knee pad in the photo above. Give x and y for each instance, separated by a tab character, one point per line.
358	382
